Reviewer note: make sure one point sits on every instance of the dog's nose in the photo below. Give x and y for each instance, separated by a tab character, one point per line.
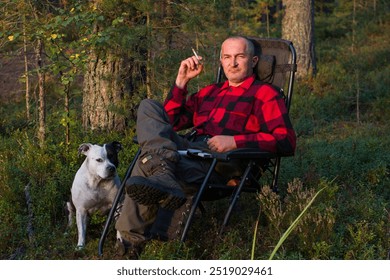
111	169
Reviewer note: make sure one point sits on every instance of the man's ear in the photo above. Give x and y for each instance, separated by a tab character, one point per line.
255	59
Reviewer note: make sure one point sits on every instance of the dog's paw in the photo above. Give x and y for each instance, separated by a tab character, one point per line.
79	247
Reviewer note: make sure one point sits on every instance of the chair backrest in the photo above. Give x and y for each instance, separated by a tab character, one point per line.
276	66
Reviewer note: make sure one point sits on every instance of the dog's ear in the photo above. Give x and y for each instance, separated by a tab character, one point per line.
117	146
84	148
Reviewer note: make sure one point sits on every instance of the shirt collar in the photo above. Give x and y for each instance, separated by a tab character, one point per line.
245	84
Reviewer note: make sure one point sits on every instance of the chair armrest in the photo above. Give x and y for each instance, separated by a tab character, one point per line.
245	153
242	153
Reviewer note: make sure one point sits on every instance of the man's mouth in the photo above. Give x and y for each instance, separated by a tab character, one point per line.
234	70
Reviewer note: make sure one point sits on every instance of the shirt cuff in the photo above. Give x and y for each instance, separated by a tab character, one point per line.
179	91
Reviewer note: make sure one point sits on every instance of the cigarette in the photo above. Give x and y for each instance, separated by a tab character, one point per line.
197	57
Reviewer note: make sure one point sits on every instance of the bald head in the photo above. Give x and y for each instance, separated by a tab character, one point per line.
249	49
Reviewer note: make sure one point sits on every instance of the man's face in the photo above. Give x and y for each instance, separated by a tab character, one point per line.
236	62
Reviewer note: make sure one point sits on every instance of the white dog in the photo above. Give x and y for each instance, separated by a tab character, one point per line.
95	184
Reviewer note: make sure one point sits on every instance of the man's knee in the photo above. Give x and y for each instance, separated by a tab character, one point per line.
150	108
149	104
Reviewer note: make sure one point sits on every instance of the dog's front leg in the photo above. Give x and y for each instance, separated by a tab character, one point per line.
70	209
81	220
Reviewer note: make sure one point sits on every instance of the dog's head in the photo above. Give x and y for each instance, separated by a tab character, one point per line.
101	160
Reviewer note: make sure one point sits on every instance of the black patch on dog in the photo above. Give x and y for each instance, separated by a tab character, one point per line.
112	152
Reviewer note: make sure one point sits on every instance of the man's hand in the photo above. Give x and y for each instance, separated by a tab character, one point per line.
189	69
222	143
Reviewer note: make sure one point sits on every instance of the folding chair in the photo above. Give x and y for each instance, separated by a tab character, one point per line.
277	66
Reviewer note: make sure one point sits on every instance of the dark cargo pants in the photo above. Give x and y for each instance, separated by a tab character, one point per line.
155	134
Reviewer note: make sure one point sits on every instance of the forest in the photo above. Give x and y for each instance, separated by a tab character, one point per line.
73	72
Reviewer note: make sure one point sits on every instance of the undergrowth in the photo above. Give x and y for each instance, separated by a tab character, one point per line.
339	147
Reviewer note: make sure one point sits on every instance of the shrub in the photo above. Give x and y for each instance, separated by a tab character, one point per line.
311	238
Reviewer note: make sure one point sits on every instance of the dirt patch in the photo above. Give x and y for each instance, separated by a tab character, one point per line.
12	88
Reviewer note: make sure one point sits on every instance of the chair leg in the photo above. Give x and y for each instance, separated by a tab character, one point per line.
115	203
197	200
276	175
236	196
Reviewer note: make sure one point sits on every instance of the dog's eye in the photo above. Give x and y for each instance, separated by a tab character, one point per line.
99	160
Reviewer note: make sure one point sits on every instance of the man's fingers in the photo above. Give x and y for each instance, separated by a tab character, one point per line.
192	63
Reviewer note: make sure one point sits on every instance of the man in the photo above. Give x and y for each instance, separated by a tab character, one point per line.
241	112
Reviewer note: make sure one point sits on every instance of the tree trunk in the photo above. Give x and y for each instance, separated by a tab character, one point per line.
298	27
149	93
67	111
26	74
41	94
103	93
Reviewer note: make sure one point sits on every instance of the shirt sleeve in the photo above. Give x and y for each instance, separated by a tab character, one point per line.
179	110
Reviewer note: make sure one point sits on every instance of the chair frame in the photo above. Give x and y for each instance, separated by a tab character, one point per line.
253	155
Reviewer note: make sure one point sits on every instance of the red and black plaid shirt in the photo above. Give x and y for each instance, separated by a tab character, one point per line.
254	113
